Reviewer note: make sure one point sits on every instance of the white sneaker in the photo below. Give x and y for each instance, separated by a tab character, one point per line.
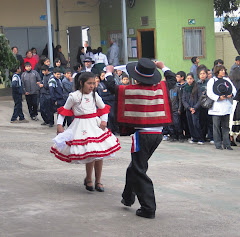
192	142
165	138
200	143
212	142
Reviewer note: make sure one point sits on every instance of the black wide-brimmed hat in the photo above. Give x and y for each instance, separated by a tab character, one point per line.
222	87
144	71
88	59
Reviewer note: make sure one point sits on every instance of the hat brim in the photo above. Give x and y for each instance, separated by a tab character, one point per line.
89	61
156	78
219	81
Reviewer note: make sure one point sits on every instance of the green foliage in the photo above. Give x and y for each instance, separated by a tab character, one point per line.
7	58
225	6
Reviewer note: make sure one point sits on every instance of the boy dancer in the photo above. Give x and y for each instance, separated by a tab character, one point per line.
31	80
141	107
17	97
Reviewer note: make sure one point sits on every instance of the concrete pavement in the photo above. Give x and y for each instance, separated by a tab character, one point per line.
197	189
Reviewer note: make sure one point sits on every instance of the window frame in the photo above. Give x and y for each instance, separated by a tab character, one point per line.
203	42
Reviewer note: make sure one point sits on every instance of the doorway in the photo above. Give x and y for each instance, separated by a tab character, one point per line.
146	40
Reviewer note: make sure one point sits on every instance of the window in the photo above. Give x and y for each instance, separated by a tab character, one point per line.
193	42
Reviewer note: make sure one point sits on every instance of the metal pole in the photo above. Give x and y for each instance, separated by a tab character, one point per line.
124	32
50	50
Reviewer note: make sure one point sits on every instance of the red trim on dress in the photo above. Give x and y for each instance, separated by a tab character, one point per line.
86	116
94	154
65	112
83	142
105	110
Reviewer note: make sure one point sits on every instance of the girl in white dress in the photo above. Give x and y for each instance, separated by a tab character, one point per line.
86	140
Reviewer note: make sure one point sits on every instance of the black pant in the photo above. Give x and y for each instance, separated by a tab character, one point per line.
221	130
206	123
45	108
184	124
137	181
17	112
112	125
175	130
194	126
32	104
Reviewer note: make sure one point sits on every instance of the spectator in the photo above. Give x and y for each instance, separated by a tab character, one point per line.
29	58
45	99
57	64
113	53
235	115
17	97
40	64
67	84
31	80
89	53
181	83
209	72
18	56
35	55
236	65
59	54
125	80
88	63
193	70
100	60
80	55
191	102
205	119
221	90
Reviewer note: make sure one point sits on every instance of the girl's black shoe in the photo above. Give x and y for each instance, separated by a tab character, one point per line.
98	188
89	188
233	143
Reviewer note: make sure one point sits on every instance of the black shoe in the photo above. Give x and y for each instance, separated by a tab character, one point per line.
89	188
219	148
98	188
228	148
233	143
128	204
50	125
141	213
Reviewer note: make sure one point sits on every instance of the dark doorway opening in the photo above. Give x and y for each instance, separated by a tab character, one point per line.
146	43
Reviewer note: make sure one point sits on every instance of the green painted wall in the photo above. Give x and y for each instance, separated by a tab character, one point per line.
168	18
171	17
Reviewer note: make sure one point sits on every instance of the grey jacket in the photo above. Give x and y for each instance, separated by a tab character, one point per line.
67	88
232	68
29	82
113	54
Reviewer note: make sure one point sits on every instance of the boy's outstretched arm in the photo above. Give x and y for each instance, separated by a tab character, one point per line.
168	74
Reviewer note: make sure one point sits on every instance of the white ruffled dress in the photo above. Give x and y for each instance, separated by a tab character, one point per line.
85	141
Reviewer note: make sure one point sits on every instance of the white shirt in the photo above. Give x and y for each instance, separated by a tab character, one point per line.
100	58
220	107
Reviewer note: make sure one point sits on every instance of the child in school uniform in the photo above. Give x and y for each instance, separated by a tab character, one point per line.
191	102
91	141
17	92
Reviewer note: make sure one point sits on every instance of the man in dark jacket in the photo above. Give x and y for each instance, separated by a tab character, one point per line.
31	80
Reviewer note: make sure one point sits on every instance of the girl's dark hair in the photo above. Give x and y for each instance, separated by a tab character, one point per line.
58	47
217	69
99	50
80	80
195	85
28	51
200	68
45	59
89	49
55	61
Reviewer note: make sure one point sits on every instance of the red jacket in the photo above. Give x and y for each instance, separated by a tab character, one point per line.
31	60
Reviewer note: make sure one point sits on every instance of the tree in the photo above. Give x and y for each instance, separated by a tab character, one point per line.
225	8
7	58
